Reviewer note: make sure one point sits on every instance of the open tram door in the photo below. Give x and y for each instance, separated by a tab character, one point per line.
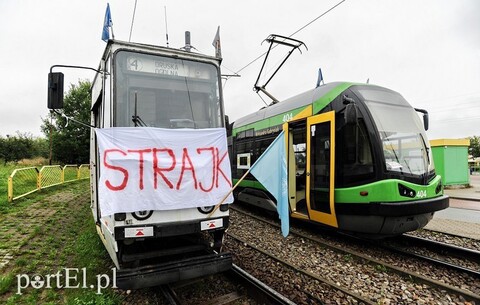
312	168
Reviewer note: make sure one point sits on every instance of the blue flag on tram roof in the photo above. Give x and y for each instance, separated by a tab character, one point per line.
271	171
107	23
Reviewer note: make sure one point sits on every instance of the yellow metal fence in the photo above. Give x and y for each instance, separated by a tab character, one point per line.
24	181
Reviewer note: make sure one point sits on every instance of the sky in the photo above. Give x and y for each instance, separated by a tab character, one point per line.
428	51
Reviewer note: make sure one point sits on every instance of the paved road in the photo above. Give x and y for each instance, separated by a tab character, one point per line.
460	214
463	216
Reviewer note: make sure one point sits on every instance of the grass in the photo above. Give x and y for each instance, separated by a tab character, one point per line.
26	181
5	282
381	268
57	232
5	171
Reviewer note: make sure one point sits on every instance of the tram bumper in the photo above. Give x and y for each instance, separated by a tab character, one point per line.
389	218
173	271
407	208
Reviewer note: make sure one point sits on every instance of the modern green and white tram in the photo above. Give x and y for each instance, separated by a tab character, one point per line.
358	159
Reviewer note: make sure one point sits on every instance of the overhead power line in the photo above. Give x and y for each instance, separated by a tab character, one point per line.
303	27
323	14
133	20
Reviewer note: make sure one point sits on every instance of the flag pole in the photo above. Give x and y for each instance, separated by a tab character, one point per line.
228	194
238	182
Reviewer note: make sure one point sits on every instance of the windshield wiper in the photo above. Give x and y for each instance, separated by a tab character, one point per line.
426	148
425	175
135	118
138	121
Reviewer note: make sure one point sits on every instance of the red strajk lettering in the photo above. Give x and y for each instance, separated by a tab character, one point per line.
186	157
160	170
140	163
117	168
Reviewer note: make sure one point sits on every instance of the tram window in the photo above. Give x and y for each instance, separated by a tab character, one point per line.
300	151
354	155
241	135
244	146
98	112
107	112
245	134
165	92
169	109
262	145
300	158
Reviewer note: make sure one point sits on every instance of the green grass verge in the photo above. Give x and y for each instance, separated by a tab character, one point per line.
57	232
5	171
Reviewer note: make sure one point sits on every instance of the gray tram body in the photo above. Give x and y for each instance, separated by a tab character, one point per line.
174	244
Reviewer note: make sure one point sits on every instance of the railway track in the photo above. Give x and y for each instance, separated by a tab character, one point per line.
447	238
439	253
461	291
242	288
309	295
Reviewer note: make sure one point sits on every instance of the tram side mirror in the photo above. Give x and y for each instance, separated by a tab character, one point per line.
351	116
227	121
55	90
425	121
228	127
425	117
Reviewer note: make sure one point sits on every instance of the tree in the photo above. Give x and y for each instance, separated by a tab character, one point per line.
15	148
70	140
474	148
41	147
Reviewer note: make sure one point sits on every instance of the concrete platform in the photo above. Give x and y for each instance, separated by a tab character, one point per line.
462	218
455	227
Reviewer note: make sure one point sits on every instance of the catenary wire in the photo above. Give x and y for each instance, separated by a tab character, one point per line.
133	20
303	27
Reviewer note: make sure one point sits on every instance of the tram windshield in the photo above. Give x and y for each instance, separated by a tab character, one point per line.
405	145
165	92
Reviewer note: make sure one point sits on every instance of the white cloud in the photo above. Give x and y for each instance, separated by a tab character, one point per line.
429	51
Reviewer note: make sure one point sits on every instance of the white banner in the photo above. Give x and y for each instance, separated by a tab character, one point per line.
144	168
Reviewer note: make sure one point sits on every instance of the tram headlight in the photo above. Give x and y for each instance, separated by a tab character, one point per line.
406	191
142	215
120	216
206	210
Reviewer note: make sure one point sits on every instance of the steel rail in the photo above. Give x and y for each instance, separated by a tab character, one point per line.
462	252
170	295
404	273
459	252
302	271
256	288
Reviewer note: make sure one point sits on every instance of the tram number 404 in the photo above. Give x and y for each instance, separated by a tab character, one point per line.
422	194
287	117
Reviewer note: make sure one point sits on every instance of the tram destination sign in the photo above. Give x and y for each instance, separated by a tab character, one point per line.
166	66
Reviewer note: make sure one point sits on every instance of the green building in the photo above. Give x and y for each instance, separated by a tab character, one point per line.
451	160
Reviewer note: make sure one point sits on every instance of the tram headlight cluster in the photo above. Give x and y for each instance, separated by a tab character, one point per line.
406	191
206	210
142	215
120	216
209	209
